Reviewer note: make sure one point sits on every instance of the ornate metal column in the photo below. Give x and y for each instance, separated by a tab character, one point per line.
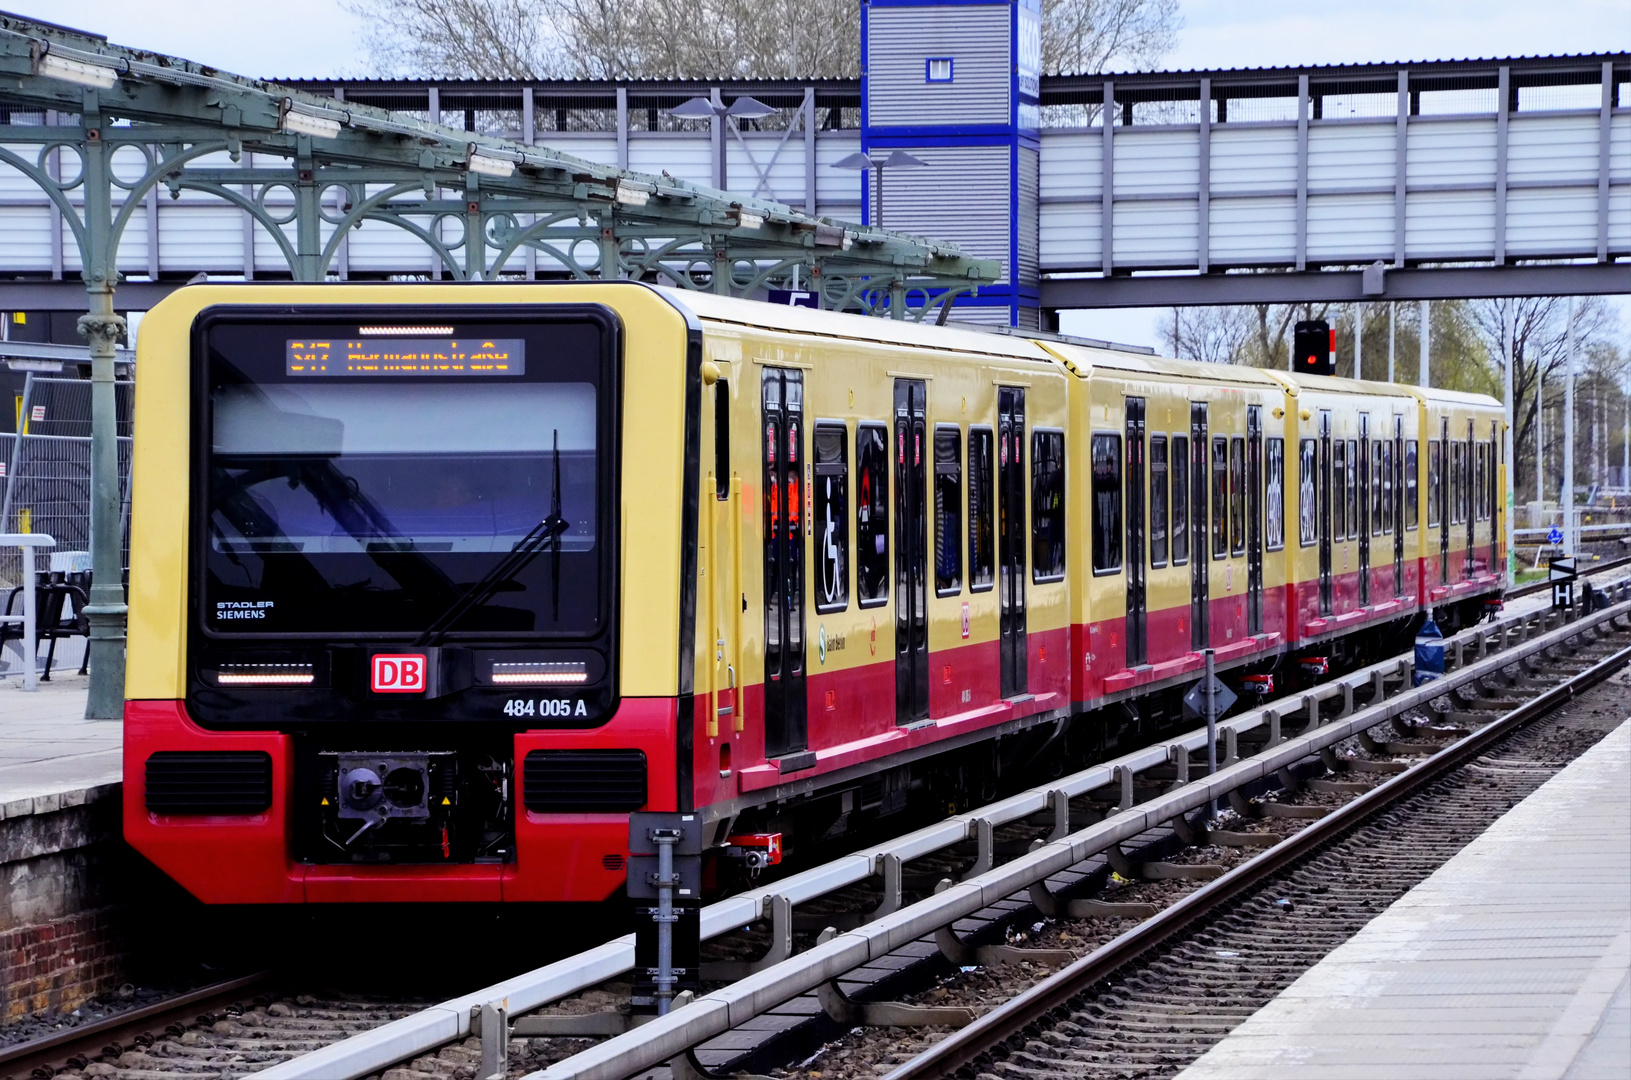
102	329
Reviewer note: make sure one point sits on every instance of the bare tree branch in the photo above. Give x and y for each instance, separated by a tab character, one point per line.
621	39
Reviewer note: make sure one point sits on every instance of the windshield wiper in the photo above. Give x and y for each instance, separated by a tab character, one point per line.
546	533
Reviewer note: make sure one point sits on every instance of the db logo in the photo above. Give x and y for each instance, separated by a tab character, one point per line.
397	674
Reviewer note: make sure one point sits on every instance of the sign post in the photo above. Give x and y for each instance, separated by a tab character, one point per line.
665	864
1561	573
1207	700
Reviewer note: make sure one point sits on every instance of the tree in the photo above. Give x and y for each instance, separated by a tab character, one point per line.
699	39
1538	325
1084	37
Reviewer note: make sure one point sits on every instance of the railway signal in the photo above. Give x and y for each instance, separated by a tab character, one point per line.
1314	348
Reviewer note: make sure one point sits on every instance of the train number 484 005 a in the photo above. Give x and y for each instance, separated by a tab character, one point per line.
545	707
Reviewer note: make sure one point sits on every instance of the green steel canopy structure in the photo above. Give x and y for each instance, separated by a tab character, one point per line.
148	122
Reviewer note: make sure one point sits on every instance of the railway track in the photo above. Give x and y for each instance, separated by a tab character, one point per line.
1156	998
328	1037
225	1030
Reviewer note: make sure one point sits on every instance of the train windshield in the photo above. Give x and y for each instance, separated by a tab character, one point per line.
449	480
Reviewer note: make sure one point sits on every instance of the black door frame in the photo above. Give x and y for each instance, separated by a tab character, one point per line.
786	715
1200	524
1012	540
1137	591
1470	496
1398	505
911	552
1322	496
1254	519
1363	501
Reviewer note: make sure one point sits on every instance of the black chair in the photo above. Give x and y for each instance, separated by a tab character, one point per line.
54	589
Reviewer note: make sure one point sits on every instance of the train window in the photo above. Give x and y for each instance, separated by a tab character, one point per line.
1411	485
1376	502
1387	486
1237	495
831	517
871	515
1220	496
948	507
1180	499
1158	500
982	541
1435	480
1458	453
1483	479
1106	502
1356	511
1308	510
1048	505
1274	472
722	439
1339	492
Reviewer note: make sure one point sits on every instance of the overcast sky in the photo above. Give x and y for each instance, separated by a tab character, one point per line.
317	38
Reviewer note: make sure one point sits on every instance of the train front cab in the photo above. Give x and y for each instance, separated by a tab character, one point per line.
882	567
568	841
1464	486
1179	492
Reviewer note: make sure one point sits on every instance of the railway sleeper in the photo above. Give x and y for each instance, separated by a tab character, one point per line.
847	1012
1159	871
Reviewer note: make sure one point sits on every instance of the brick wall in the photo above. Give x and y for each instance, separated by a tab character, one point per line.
56	966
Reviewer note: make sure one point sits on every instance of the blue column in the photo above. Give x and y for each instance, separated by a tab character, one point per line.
955	83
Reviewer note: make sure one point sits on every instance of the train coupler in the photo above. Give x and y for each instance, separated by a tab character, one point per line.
1260	685
755	851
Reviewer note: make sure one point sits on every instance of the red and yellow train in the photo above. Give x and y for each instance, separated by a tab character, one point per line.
432	585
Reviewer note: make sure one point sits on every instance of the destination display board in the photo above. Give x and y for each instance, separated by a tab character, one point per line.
385	357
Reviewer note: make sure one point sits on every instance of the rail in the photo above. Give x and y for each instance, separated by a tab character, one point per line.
372	1051
29	642
49	1054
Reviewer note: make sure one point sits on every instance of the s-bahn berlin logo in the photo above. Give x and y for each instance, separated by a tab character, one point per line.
397	674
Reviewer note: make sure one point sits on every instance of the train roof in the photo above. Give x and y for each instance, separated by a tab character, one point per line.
1079	357
838	324
1431	394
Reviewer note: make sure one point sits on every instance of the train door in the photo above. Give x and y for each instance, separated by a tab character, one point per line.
1497	504
1012	538
1398	505
1325	511
785	715
1469	498
725	542
1364	509
1446	482
911	554
1200	544
1137	646
1254	519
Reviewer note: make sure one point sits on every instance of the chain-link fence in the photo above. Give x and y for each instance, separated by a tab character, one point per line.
46	485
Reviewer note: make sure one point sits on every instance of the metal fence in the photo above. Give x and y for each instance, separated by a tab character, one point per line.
46	486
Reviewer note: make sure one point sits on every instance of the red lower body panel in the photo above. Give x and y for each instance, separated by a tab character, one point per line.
246	859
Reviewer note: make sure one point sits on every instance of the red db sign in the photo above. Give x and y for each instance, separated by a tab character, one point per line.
397	674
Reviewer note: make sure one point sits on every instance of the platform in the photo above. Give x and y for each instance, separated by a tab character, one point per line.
48	749
1512	960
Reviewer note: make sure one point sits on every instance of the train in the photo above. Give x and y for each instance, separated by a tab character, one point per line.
432	585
